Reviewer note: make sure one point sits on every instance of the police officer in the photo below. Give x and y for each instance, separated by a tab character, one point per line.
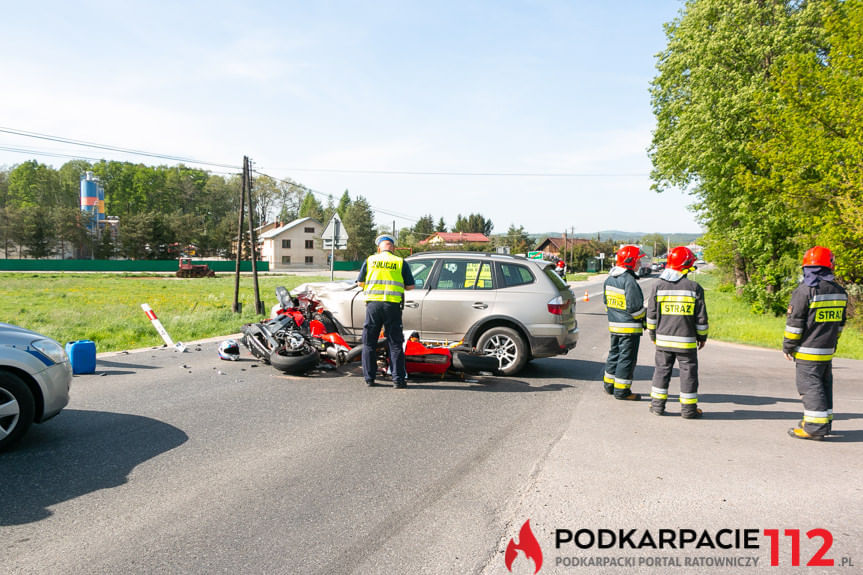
816	316
384	279
625	305
677	324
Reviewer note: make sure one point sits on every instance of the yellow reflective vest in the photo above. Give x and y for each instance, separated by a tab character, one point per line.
384	281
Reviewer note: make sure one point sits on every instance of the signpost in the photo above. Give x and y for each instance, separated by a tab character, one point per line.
335	238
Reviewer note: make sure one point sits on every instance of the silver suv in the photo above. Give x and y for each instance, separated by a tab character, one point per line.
508	306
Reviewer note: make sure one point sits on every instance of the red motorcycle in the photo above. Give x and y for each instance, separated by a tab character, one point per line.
302	334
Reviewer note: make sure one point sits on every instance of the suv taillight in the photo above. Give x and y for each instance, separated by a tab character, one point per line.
558	305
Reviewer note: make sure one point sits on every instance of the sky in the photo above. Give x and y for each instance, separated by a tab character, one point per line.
531	113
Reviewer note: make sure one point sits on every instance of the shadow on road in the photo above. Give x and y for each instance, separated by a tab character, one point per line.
77	453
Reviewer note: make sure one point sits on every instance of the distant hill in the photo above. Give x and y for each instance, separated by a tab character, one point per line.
620	236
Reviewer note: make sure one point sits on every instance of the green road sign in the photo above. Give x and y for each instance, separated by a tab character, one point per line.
534	255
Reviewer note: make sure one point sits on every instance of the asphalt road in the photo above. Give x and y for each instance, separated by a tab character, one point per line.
182	463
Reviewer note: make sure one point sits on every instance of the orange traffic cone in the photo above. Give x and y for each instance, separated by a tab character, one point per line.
586	297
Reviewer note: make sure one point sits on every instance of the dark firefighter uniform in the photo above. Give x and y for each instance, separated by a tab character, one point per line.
385	277
814	322
625	306
677	323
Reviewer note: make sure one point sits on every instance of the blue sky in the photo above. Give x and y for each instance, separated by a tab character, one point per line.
531	113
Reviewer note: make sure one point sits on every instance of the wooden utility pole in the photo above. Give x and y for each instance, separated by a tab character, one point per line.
259	306
237	307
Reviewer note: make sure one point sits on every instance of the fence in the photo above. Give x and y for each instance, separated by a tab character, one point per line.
122	265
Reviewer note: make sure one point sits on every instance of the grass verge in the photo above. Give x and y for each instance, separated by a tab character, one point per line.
106	308
732	320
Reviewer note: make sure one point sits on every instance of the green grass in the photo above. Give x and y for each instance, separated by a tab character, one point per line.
731	320
106	308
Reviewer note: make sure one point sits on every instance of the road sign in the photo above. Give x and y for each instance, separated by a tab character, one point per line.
335	231
534	255
342	244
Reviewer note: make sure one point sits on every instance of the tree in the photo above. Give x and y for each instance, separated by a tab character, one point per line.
713	82
360	226
344	204
474	223
311	207
441	226
811	148
424	227
518	240
68	227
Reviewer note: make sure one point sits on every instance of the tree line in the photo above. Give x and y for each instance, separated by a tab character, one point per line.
759	116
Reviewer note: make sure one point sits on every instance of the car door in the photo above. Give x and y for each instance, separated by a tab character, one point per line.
412	313
462	294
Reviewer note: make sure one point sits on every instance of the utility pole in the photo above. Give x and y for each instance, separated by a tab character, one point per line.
259	306
237	307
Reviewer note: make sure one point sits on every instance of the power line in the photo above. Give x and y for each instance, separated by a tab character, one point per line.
97	146
466	174
324	194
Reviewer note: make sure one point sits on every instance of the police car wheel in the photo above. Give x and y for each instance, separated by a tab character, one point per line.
507	346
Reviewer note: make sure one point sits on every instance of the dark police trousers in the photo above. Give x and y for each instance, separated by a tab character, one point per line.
389	316
622	357
687	361
815	386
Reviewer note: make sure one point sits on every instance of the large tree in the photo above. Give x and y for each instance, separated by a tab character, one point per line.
360	227
474	223
713	81
810	151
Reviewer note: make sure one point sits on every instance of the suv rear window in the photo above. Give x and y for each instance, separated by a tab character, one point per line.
515	275
465	274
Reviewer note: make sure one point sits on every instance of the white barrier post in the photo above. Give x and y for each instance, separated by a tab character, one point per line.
161	329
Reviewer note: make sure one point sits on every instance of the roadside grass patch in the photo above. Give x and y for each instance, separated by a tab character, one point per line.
732	320
106	308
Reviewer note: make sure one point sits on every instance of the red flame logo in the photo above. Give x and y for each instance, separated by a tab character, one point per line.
528	544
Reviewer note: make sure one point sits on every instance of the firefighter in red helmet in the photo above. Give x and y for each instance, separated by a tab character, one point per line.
624	303
677	324
816	316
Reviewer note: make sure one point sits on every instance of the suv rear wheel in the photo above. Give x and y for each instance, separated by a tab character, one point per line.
507	345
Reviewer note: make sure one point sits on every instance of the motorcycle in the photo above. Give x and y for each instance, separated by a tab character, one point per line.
302	334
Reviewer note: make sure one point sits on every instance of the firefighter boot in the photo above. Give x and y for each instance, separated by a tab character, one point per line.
629	397
657	406
798	433
690	411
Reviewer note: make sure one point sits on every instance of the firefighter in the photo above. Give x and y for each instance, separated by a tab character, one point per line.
384	279
624	302
816	316
677	324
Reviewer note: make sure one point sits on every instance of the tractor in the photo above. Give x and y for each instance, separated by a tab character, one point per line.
189	270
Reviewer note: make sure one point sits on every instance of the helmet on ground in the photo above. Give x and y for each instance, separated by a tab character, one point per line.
680	258
628	256
818	256
229	349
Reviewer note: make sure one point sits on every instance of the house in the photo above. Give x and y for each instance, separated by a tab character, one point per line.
556	246
295	244
455	239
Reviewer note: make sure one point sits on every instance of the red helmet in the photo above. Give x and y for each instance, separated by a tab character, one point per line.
818	256
628	256
680	258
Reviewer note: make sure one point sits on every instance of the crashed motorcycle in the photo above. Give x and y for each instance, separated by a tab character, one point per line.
301	335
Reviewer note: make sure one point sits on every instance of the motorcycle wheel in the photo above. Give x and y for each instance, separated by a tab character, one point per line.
294	362
470	363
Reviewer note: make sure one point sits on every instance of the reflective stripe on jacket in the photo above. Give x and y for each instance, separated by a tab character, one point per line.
816	316
624	302
384	280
